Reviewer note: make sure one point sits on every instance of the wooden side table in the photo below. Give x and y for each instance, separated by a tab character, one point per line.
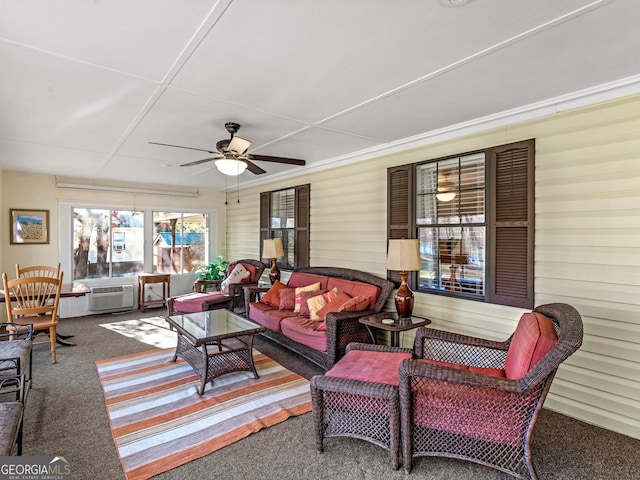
373	322
147	278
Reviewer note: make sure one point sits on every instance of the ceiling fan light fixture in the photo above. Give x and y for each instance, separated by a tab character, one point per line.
230	166
446	196
238	145
446	191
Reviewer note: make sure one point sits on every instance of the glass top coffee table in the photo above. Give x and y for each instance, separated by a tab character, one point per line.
215	343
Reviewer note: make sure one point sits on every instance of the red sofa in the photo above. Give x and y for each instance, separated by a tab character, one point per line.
322	341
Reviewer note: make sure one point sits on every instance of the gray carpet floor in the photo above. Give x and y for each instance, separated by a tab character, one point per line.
66	416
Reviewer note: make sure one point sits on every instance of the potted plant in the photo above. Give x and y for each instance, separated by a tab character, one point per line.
212	271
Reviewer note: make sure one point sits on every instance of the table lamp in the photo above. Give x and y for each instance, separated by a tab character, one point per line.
272	248
404	256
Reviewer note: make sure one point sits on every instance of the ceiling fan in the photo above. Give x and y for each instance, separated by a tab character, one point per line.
231	157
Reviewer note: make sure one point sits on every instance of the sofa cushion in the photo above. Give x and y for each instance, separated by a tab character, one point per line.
306	288
354	289
368	366
272	297
535	335
304	301
334	305
355	304
192	302
494	372
305	331
287	298
267	315
316	303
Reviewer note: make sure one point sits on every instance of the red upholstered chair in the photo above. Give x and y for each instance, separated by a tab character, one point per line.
476	399
358	397
228	293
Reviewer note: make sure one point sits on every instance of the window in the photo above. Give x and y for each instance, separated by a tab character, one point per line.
107	243
450	222
110	243
285	214
473	215
180	241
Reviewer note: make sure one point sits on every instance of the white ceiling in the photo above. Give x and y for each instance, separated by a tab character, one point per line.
85	85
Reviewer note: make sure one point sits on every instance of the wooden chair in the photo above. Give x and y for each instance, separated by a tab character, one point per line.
38	271
36	302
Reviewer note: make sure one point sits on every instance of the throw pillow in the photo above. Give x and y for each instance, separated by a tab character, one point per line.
299	290
272	297
287	298
238	274
316	303
304	298
334	305
356	304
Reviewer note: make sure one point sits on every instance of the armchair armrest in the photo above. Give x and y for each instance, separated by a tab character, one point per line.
457	348
200	286
376	348
342	329
439	374
252	294
14	383
24	331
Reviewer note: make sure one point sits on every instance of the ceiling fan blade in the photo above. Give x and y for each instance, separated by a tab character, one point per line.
253	168
180	146
267	158
198	162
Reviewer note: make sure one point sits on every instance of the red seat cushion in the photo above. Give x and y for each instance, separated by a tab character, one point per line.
267	315
192	302
305	331
535	335
368	366
494	372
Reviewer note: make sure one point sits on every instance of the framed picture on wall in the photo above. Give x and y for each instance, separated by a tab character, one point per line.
29	226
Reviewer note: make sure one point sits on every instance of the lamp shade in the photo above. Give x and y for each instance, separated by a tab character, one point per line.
230	167
403	255
272	248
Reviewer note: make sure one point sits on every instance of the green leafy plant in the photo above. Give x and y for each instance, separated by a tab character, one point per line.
213	270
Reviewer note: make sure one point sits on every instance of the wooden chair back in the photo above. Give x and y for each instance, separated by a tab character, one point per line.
38	271
33	300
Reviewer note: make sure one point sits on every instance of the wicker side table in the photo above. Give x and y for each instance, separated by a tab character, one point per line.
390	322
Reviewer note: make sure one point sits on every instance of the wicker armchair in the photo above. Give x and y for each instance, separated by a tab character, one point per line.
473	412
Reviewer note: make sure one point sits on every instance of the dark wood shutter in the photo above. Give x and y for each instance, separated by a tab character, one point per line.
265	224
511	236
400	217
303	197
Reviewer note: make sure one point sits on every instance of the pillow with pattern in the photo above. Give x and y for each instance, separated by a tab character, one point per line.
316	303
238	275
299	290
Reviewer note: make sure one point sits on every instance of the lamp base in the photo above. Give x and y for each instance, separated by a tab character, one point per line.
404	298
274	273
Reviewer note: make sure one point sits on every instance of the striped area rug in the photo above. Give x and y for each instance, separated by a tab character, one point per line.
159	421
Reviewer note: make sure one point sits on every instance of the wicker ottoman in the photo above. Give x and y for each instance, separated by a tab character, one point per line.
358	398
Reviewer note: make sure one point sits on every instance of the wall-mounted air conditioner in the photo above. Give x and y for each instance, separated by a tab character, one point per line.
116	297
